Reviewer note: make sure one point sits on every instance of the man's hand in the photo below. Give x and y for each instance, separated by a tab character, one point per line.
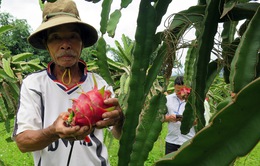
111	118
173	118
70	133
170	118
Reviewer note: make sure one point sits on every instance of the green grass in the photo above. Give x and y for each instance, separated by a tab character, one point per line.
156	153
251	159
11	156
9	153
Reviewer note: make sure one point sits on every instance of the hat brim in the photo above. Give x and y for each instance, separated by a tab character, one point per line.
88	33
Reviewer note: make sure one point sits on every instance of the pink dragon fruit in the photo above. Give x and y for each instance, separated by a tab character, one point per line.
184	92
88	108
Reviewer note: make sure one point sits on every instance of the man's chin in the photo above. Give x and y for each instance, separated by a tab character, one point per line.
67	64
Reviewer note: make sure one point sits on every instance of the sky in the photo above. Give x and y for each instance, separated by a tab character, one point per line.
90	13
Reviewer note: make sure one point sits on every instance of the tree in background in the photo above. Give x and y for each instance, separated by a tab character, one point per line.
15	39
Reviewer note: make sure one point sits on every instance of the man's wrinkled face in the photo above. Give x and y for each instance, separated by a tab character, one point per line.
64	44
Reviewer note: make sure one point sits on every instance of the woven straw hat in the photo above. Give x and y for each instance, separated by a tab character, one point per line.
58	13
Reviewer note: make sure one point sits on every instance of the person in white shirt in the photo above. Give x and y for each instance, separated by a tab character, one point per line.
175	106
46	95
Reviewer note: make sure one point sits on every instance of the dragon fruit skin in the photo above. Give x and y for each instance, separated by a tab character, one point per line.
184	92
88	108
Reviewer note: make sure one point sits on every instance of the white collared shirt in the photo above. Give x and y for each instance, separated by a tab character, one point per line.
176	106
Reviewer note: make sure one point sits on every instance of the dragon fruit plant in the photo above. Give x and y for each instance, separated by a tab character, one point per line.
88	108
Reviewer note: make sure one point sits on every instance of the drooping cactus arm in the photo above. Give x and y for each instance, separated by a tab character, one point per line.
244	64
205	45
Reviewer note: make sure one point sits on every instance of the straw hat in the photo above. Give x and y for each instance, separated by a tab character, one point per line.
58	13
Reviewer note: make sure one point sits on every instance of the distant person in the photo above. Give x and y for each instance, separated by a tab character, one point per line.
176	105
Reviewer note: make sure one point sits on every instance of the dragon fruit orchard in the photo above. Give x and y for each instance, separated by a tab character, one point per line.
88	108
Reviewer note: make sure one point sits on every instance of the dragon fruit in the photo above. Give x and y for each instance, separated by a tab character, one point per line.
88	108
184	92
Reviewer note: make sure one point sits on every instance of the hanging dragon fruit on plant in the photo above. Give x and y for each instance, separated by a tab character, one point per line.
88	108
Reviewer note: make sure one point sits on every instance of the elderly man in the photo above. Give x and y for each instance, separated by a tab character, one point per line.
46	95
